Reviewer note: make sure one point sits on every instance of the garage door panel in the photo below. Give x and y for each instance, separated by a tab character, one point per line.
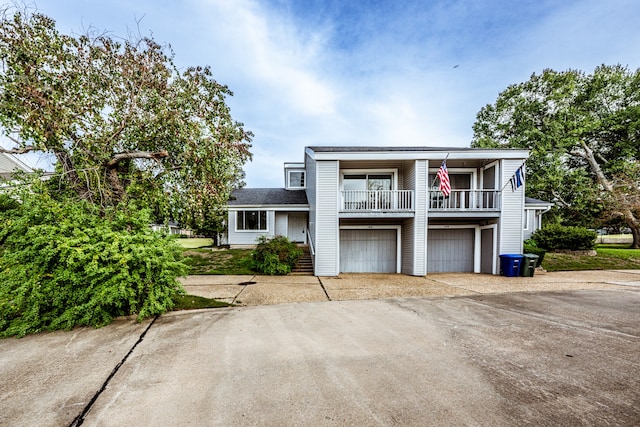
368	251
450	250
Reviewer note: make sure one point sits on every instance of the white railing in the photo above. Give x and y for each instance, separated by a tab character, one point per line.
381	200
465	200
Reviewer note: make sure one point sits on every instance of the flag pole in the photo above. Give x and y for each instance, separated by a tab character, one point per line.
506	183
436	177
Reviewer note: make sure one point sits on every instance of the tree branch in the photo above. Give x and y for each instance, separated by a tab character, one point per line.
22	150
117	158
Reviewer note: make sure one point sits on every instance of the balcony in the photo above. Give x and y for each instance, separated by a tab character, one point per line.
375	203
467	201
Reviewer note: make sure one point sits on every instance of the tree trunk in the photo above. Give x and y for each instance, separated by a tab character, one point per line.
634	225
630	219
71	178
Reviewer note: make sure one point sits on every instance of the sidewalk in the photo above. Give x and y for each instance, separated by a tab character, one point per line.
255	290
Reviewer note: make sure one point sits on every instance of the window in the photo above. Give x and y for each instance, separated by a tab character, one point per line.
459	181
251	221
367	191
296	179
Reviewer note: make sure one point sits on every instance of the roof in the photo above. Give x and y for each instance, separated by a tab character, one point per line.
368	149
352	152
532	201
10	164
267	196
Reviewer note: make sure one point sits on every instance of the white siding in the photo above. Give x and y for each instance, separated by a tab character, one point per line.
510	230
408	227
421	220
244	238
310	167
281	224
326	219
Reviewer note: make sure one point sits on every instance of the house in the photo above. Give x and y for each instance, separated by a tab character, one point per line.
532	216
379	209
9	165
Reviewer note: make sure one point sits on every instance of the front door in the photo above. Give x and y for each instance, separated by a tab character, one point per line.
297	224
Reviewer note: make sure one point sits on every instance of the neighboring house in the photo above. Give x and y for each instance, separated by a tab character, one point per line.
10	164
532	216
378	209
173	228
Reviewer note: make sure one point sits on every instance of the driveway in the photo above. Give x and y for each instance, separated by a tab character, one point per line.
542	357
252	290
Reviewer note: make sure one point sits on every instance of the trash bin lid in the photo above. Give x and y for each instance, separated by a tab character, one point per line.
511	256
531	256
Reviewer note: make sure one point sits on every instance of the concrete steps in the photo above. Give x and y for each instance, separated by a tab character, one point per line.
304	266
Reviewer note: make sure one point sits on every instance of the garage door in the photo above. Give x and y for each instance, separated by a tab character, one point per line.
368	251
450	251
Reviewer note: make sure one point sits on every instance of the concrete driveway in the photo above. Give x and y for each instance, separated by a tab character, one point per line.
535	356
260	290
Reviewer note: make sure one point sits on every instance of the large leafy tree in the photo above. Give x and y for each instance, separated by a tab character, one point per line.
121	120
583	131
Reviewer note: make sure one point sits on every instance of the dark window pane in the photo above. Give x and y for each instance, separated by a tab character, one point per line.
296	179
240	220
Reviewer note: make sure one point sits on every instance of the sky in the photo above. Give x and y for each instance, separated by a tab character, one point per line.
365	72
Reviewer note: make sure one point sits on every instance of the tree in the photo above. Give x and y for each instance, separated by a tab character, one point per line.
121	120
584	135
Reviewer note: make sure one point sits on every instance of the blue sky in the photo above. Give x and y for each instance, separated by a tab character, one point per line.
377	72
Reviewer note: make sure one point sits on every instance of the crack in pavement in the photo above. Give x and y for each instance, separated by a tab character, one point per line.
323	288
77	421
233	301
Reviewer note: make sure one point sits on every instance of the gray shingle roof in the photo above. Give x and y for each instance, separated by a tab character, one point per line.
267	196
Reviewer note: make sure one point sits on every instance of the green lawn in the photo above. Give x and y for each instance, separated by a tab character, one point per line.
219	261
195	243
206	260
610	257
192	302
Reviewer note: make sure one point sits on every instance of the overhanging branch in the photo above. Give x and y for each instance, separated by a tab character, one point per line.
22	150
117	158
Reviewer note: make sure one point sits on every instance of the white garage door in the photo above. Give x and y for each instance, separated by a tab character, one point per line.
368	251
450	251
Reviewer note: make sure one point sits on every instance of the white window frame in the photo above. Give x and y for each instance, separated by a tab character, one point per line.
367	172
526	219
304	179
266	221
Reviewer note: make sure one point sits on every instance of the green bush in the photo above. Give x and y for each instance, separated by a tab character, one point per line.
275	256
530	247
556	236
64	264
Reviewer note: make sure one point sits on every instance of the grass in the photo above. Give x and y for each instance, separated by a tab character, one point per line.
193	302
195	242
610	257
223	261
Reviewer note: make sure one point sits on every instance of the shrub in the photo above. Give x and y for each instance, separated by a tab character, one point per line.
556	236
530	247
64	264
275	256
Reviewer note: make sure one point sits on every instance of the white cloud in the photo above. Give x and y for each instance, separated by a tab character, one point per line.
374	73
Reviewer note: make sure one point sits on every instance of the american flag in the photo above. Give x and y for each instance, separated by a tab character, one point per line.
443	176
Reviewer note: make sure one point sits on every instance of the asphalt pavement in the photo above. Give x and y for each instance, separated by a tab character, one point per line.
555	349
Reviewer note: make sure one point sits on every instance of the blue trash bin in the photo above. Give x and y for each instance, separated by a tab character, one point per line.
510	265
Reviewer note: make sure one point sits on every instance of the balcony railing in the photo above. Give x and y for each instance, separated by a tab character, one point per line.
465	200
377	201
